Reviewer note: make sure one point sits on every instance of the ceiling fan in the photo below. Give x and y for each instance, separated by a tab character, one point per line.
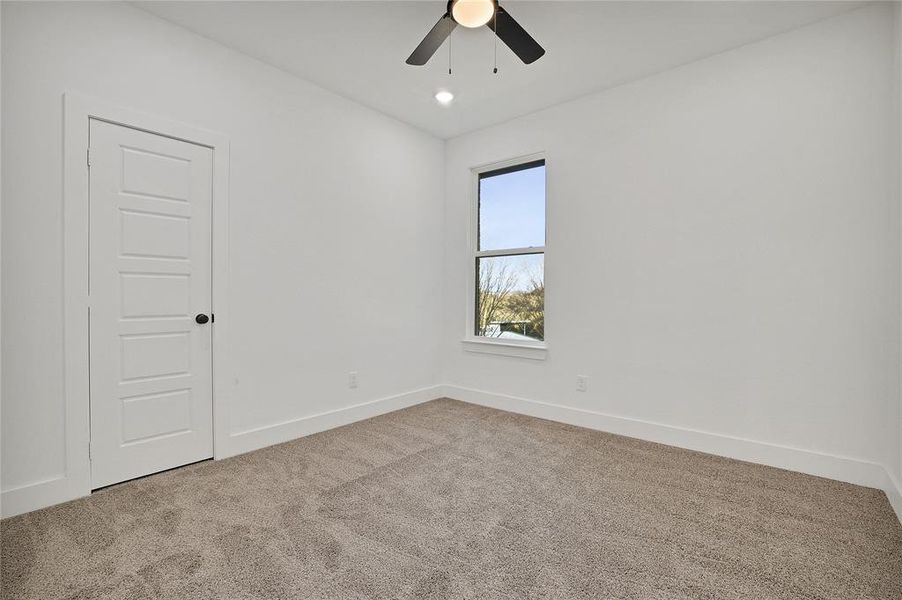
472	14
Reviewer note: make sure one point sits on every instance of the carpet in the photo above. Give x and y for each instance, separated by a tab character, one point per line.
451	500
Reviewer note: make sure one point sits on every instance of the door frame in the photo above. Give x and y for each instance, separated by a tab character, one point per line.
78	110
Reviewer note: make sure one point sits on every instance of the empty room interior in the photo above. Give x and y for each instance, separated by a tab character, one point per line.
474	299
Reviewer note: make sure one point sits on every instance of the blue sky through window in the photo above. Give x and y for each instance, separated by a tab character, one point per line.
512	210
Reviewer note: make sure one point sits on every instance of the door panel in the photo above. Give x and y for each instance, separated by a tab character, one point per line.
150	273
155	355
150	235
155	295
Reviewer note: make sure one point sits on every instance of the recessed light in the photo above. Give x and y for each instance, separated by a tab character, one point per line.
444	97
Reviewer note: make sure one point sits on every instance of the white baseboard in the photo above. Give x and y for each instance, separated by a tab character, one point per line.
62	489
54	491
254	439
39	494
893	489
840	468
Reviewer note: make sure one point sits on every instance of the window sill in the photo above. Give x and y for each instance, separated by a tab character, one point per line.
487	346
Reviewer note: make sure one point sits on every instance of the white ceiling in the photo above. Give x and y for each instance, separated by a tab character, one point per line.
358	49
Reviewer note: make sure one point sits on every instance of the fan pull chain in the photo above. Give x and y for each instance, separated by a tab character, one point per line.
495	69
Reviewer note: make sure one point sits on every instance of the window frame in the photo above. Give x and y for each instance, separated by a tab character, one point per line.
481	344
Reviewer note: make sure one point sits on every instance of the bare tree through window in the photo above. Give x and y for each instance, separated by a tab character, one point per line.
496	282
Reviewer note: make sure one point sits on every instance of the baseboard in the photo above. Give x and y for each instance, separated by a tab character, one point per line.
254	439
37	495
46	493
893	489
54	491
840	468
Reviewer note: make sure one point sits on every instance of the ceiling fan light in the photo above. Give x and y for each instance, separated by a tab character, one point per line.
472	13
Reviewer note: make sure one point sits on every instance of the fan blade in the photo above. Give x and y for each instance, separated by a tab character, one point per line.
515	37
432	41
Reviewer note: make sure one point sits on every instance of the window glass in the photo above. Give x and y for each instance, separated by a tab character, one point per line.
512	208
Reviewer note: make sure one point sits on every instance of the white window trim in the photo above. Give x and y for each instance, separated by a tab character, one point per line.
482	345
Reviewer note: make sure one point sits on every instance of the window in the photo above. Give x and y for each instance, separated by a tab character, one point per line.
509	254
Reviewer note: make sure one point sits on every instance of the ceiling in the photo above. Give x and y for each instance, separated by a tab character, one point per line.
358	49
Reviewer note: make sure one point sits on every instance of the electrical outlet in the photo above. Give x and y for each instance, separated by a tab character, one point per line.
352	380
582	383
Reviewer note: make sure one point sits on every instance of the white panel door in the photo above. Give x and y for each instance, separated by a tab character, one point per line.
150	276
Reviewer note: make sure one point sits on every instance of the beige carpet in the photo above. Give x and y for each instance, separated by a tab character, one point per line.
450	500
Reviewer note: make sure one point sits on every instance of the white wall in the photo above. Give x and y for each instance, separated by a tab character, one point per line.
335	234
896	417
722	253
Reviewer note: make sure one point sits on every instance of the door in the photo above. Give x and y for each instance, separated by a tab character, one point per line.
149	291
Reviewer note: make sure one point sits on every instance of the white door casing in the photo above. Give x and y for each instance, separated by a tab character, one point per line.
149	275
